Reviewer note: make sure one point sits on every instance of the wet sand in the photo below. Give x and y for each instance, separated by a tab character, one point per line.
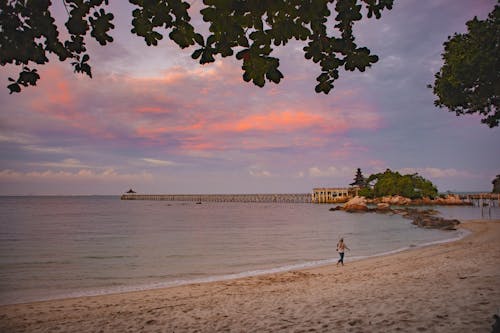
452	287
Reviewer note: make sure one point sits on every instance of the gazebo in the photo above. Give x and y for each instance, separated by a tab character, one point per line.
131	191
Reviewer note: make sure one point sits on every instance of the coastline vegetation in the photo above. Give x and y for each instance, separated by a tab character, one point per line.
390	183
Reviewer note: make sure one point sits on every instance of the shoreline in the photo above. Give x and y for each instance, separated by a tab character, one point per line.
97	292
453	286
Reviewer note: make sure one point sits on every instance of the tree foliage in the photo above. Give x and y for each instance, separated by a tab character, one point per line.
359	179
389	183
496	184
249	30
469	80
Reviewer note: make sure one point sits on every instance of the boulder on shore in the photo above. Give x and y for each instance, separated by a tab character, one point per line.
449	199
435	222
396	200
356	204
383	207
423	218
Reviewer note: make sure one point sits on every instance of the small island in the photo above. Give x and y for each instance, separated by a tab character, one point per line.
379	192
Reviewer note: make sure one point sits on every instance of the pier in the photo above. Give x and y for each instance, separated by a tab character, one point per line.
485	201
282	198
319	195
472	197
481	199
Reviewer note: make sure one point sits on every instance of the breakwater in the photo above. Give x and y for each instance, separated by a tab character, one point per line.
284	198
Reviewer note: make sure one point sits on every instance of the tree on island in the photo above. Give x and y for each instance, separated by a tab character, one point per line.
469	81
359	179
496	184
391	183
247	30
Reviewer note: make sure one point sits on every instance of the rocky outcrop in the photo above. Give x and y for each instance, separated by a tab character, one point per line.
383	207
449	200
356	204
396	200
426	218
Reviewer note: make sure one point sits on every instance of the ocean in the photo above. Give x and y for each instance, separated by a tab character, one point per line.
58	247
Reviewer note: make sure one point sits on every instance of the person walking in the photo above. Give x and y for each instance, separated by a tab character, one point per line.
341	247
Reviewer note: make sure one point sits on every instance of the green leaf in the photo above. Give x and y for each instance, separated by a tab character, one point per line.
14	88
207	56
197	53
258	80
199	39
274	75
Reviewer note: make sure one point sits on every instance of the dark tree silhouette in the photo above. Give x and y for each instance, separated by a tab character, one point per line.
496	184
469	81
246	29
359	180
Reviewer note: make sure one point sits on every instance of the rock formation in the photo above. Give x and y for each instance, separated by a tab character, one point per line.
356	204
426	218
449	199
396	200
383	207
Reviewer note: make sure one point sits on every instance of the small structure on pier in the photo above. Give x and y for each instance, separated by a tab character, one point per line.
333	194
339	194
131	191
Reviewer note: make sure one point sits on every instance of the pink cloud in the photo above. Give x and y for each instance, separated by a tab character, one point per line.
204	108
152	110
197	143
273	121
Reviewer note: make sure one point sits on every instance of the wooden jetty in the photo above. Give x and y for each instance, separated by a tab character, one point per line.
319	195
283	198
481	199
485	201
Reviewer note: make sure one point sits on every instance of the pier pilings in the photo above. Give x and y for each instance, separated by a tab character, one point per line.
485	201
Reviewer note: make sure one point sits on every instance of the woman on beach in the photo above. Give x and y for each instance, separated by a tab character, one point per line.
341	247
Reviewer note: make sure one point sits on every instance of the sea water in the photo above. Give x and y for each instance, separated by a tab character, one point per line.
57	247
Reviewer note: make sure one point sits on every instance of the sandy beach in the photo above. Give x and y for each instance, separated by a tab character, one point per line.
451	287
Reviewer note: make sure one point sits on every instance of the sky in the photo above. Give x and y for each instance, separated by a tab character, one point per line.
154	120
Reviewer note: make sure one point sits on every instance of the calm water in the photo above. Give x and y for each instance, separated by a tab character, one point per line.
53	247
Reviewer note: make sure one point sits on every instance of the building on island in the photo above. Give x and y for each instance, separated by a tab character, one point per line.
339	194
333	194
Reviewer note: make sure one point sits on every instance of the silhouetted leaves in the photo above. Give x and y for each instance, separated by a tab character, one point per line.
82	66
248	30
27	77
101	25
469	80
28	34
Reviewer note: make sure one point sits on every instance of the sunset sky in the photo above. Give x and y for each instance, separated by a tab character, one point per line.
154	120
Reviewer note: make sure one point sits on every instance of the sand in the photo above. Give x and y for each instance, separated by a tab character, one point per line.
452	287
